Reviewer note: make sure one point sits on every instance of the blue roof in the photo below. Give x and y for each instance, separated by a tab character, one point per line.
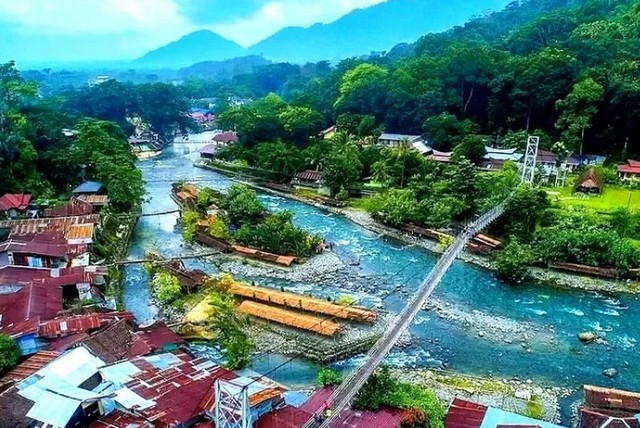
88	187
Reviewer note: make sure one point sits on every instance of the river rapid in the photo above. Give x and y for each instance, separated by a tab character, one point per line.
481	326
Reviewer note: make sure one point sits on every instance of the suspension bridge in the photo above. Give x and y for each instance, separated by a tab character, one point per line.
343	395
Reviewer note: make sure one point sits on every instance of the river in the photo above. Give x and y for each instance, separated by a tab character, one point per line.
390	271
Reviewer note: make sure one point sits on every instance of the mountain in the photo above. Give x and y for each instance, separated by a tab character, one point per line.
195	47
376	28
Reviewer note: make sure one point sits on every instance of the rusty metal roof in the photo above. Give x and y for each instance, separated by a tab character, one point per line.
607	398
310	175
69	325
78	232
349	418
97	200
21	311
30	366
74	207
34	226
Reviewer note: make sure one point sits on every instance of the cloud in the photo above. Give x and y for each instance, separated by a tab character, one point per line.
92	16
277	14
112	29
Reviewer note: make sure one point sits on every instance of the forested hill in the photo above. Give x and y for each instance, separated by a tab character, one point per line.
568	70
193	48
376	28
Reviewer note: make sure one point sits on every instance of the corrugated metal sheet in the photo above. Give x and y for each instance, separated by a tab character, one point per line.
15	201
80	233
158	336
289	417
69	325
607	398
594	418
30	366
53	409
384	418
97	200
35	226
118	419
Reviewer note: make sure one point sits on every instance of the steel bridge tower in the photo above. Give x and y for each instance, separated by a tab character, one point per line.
530	158
231	405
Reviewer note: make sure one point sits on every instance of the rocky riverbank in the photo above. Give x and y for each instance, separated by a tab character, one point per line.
546	276
514	395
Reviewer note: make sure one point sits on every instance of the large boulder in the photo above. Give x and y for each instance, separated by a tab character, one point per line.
610	372
587	337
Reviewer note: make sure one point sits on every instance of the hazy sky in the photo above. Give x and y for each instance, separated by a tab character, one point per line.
37	30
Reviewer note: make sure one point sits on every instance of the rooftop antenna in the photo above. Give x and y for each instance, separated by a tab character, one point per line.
530	158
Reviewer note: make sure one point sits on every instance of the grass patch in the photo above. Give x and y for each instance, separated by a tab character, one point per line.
306	193
611	199
535	409
358	203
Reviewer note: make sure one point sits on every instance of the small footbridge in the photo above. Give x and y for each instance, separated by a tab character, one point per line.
343	395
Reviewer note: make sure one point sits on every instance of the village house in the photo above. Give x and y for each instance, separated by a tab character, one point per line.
392	140
14	205
494	159
226	138
208	151
89	188
201	116
327	134
309	178
630	171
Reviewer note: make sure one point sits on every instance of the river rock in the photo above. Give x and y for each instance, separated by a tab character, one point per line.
587	337
610	372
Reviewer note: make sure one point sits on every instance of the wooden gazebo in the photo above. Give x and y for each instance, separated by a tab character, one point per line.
589	182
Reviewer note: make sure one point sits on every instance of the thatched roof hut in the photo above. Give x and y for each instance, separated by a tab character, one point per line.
589	182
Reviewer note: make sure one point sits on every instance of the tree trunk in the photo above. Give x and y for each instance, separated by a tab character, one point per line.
582	142
466	105
528	120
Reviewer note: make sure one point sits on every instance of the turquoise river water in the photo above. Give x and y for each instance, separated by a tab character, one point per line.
387	266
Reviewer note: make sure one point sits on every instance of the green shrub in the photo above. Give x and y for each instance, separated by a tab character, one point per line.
166	287
328	377
9	353
512	263
189	221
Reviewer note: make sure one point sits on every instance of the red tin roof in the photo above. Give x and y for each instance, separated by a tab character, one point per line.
632	167
118	419
607	398
74	207
21	274
383	418
465	414
226	137
288	417
22	310
14	201
180	392
69	325
158	335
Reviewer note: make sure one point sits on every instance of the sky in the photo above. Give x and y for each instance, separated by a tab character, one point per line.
78	30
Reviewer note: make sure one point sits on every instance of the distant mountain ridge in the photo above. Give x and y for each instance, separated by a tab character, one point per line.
376	28
200	46
360	32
